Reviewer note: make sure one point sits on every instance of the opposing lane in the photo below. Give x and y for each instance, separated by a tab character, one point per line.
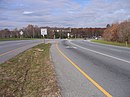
9	49
113	75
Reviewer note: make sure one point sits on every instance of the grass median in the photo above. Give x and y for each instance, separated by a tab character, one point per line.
29	74
111	43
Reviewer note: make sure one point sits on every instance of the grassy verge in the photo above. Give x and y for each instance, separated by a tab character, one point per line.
11	39
29	74
111	43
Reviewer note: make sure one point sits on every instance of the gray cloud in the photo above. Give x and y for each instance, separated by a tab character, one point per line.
94	13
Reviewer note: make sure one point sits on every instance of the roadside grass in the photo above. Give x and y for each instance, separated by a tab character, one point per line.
111	43
29	74
11	39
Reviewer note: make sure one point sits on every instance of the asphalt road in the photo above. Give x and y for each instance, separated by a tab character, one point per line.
9	49
109	66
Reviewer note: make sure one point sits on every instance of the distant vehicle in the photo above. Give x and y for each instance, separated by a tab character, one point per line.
96	38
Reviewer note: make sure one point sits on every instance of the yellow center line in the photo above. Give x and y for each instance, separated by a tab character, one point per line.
12	50
83	73
9	51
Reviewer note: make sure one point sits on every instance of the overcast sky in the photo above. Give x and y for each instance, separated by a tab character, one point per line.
62	13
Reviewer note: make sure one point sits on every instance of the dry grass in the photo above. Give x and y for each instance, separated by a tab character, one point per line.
29	74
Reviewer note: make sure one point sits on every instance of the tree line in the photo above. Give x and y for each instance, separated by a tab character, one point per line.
33	31
28	32
118	32
87	32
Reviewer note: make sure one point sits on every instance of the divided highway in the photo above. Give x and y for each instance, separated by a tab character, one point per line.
109	66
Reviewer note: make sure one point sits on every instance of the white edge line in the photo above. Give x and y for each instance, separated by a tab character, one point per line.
101	53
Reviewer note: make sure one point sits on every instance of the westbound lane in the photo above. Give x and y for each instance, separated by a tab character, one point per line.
112	74
9	49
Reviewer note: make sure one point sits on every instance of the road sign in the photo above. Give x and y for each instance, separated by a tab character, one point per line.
21	32
43	32
68	34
